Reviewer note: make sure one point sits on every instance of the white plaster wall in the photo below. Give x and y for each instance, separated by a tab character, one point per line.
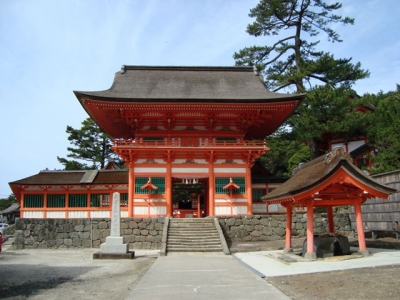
77	214
259	208
239	210
150	170
55	214
33	214
230	170
100	214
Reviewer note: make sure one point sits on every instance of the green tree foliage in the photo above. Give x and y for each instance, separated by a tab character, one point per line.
293	61
91	148
384	131
285	155
6	202
329	113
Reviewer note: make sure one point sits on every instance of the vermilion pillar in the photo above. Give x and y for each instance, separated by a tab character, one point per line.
310	231
45	205
288	245
331	225
168	190
211	186
249	191
131	189
360	229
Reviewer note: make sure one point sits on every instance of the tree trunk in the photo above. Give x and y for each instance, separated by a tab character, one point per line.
314	150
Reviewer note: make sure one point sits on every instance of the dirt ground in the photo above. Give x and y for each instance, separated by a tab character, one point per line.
368	283
73	274
68	274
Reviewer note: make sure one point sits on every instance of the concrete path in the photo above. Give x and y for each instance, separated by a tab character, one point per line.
202	276
268	263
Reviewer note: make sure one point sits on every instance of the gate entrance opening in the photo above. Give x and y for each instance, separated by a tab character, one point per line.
189	199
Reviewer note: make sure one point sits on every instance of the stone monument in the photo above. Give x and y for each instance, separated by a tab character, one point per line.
114	247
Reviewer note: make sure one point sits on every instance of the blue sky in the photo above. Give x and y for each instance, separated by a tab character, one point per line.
50	48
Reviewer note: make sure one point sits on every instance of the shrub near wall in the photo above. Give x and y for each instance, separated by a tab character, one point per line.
273	227
140	233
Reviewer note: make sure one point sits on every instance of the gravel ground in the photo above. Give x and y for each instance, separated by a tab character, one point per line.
73	274
69	274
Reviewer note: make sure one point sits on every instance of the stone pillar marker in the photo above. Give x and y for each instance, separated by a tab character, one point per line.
114	246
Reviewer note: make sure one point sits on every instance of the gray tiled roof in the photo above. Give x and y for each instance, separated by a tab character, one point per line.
319	170
73	178
147	83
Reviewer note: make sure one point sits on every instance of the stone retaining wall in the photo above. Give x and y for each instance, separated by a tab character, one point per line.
146	233
140	233
272	227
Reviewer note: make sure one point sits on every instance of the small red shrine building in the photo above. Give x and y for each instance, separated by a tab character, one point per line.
188	135
328	181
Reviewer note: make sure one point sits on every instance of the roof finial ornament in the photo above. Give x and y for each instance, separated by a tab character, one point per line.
335	152
255	70
123	69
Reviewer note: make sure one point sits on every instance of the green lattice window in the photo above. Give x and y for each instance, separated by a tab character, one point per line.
257	194
124	199
33	200
56	200
77	200
159	182
95	200
220	182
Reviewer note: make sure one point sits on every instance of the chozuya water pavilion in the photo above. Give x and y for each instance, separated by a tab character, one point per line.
193	130
328	181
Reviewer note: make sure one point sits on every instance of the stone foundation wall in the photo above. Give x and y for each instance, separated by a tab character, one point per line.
146	233
272	227
140	233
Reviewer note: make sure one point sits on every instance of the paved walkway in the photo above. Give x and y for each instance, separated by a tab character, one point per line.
269	264
202	276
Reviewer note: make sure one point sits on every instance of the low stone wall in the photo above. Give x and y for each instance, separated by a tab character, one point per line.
272	227
146	233
140	233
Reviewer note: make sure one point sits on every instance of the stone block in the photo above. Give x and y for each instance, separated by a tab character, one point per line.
137	245
144	232
258	227
158	226
84	235
103	225
86	243
79	227
249	228
264	221
68	242
267	231
76	242
231	222
255	233
279	231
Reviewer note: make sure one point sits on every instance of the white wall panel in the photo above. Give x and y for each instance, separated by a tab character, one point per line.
259	208
100	214
77	214
33	214
55	214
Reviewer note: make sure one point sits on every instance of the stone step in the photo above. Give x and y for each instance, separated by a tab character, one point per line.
195	243
188	225
193	220
192	249
193	235
183	240
195	232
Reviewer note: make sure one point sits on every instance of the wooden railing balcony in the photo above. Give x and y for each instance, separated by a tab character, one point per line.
138	143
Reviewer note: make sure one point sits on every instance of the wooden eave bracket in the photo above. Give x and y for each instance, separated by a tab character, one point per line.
149	185
231	184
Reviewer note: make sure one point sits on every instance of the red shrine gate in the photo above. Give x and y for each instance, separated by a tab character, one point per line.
204	126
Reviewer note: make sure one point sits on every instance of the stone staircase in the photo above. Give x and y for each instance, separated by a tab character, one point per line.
194	235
